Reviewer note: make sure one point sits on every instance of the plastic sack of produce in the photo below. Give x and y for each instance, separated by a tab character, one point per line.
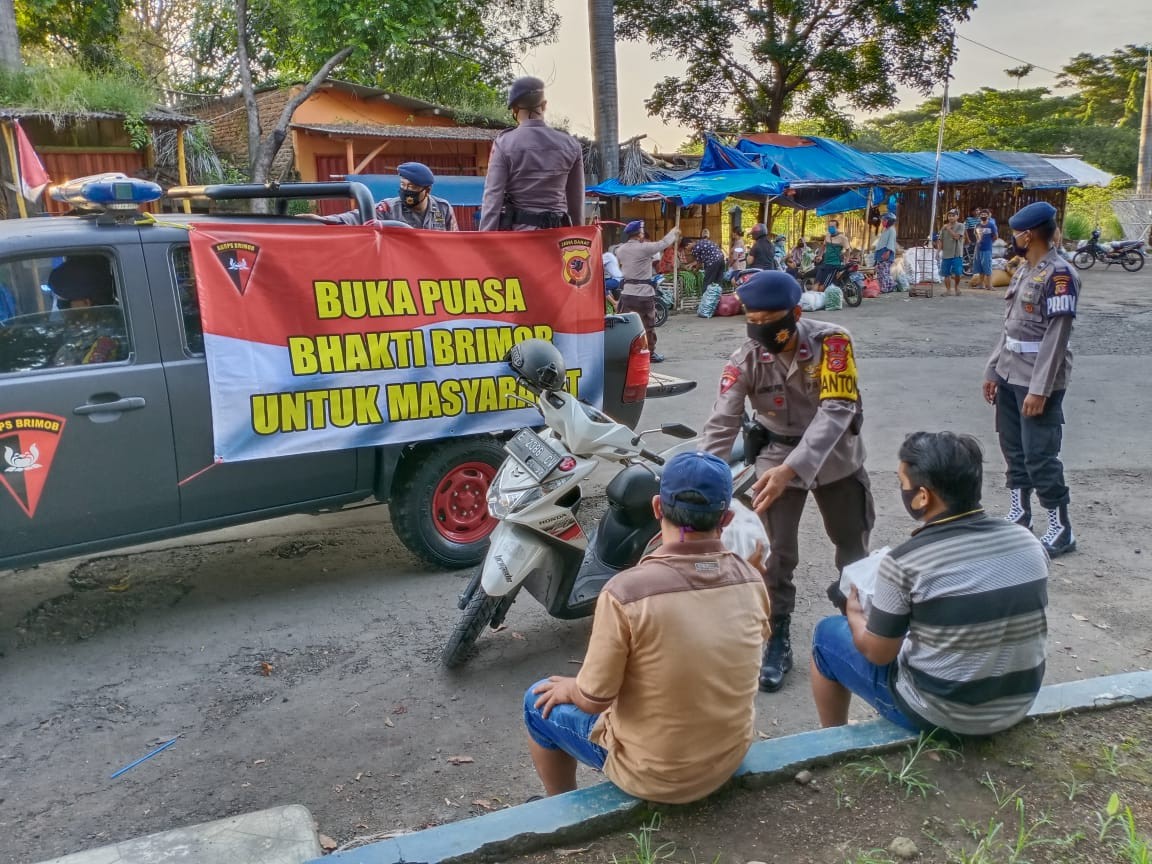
709	300
833	299
811	301
729	305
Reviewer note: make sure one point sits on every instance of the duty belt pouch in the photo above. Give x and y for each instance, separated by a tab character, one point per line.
756	438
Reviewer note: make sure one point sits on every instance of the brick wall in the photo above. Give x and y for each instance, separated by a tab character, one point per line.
227	122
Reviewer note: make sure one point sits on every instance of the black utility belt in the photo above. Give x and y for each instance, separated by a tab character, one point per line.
540	219
637	282
786	440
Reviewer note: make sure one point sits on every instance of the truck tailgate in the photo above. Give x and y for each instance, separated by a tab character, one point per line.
660	386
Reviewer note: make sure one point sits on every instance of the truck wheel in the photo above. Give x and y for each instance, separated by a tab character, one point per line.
476	617
439	502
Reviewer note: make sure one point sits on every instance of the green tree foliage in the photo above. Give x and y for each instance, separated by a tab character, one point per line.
1110	86
85	30
752	62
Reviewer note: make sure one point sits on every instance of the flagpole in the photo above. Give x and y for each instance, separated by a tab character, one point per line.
939	147
11	145
676	261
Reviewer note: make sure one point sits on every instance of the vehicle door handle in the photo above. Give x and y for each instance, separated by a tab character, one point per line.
129	403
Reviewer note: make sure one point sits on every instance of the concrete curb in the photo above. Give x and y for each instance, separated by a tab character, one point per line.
598	809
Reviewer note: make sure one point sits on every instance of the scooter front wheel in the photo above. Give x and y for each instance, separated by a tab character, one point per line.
477	615
661	314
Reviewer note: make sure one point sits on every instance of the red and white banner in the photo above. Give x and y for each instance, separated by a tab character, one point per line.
33	177
327	337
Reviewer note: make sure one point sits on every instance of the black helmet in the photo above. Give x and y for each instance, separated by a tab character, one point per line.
538	364
526	92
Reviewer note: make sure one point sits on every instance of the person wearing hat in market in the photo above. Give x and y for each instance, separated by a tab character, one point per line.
1027	374
637	293
664	703
415	204
951	246
798	376
884	251
535	173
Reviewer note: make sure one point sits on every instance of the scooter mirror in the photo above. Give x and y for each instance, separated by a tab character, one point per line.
678	430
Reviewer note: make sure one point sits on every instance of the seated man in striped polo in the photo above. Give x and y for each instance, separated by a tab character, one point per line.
955	636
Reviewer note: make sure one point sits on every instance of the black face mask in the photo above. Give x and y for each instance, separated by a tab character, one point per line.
411	197
774	336
907	495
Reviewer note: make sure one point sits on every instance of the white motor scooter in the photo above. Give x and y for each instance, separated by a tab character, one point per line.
538	544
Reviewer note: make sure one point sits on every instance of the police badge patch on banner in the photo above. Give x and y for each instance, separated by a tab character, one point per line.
330	337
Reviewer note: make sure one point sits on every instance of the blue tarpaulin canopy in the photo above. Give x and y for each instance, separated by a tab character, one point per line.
460	191
823	162
969	166
703	187
853	199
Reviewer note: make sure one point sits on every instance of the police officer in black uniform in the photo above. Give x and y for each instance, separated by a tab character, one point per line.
1028	372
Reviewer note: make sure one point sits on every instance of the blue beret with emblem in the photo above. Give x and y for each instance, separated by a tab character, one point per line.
416	172
769	291
1033	216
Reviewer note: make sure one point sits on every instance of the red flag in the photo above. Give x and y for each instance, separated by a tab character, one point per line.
33	177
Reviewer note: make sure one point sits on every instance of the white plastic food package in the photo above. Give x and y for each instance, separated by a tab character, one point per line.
745	535
812	301
862	574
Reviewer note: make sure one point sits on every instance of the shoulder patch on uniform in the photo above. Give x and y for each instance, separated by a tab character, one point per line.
838	369
729	377
1062	293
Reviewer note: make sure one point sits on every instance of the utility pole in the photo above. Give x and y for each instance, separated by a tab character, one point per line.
9	37
1144	163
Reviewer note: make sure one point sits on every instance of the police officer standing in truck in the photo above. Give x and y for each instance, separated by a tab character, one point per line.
1028	371
535	174
799	377
415	205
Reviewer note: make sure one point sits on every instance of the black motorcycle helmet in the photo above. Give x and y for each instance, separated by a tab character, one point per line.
538	364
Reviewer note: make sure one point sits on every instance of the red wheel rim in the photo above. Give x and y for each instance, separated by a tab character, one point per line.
460	503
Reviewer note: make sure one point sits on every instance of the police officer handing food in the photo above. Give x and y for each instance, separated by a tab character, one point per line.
1028	372
535	173
415	204
799	376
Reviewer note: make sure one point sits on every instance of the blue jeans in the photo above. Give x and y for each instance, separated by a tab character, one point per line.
837	659
566	728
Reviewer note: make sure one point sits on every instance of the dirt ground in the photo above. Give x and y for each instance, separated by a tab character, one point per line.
1038	794
297	660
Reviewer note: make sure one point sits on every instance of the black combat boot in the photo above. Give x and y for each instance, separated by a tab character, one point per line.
777	656
1058	538
1021	511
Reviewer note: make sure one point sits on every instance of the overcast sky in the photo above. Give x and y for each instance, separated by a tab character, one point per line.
1045	33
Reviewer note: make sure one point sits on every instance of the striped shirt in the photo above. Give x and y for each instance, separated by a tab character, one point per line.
970	594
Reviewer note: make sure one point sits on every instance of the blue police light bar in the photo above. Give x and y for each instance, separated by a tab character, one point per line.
107	191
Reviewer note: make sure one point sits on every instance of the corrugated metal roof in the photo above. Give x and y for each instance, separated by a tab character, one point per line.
1085	174
380	130
955	166
1038	174
159	117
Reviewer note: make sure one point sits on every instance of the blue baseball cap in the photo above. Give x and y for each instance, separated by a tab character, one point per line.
416	172
769	291
634	227
1033	216
702	473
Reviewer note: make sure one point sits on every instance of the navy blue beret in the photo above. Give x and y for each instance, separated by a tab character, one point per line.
416	172
634	227
1033	216
526	92
769	291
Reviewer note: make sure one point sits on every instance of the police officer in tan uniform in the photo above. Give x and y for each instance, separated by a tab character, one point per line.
1028	372
637	293
799	376
535	173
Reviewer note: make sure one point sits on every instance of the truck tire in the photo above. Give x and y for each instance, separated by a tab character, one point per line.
478	614
439	500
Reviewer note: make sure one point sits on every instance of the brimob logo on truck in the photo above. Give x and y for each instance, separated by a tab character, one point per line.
27	447
239	260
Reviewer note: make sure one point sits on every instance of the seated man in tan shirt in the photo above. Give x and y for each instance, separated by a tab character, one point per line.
664	702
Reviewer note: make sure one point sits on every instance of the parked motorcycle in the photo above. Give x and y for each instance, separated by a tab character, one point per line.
664	304
538	544
850	282
1128	254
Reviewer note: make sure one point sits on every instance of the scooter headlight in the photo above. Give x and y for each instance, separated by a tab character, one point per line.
502	503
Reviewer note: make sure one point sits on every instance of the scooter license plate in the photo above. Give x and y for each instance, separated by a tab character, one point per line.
531	451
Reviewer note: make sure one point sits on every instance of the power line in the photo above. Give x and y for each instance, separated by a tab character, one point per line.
1009	56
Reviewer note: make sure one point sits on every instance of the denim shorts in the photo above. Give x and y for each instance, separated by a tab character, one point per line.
837	659
982	263
567	728
951	267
